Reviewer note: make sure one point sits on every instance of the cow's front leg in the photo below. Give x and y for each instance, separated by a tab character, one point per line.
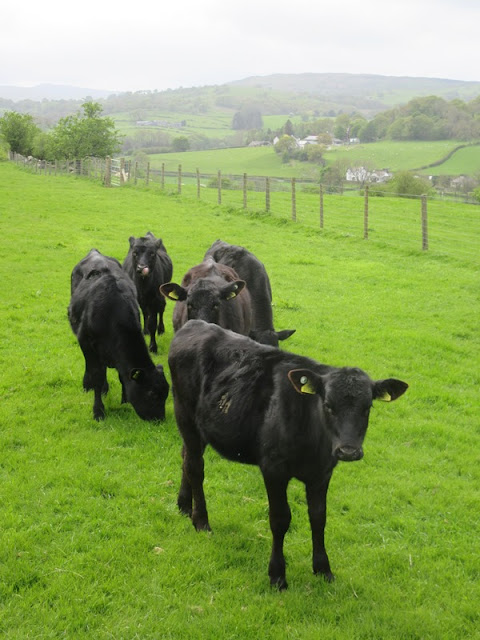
279	515
152	328
317	512
193	469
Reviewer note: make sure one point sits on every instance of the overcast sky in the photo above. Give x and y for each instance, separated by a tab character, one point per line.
161	44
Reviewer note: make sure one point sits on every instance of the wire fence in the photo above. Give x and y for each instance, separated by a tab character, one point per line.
444	228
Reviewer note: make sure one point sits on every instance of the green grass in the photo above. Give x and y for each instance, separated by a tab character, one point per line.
263	161
396	156
465	161
91	543
256	161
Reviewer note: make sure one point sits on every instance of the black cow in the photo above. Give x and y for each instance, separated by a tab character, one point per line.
212	292
104	315
149	266
288	414
250	269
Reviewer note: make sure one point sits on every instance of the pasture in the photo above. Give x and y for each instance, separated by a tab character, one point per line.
263	161
91	541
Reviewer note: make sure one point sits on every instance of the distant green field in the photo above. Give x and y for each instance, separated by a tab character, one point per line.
465	161
213	124
256	161
393	155
263	161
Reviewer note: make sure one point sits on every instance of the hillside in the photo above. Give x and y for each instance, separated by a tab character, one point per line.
384	91
322	93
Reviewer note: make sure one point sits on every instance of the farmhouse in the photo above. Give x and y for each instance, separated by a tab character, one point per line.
361	174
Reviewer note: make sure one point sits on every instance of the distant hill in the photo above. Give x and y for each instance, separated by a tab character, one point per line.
51	92
347	87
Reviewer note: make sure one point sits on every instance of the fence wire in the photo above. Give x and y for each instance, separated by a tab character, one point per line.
449	230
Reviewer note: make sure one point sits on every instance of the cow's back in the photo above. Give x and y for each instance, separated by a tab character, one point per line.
232	389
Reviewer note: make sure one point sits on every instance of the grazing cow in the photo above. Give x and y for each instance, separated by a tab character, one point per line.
288	414
149	266
104	315
250	269
212	292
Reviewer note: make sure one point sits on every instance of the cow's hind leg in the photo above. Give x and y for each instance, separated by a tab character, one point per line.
317	512
95	378
184	500
279	516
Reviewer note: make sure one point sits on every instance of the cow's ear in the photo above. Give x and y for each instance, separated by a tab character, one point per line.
137	374
233	289
388	390
131	240
304	381
285	333
173	291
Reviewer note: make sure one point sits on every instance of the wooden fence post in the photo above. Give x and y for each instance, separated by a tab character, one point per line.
147	176
107	180
198	183
424	224
365	214
294	202
244	190
219	186
179	178
267	194
162	179
321	207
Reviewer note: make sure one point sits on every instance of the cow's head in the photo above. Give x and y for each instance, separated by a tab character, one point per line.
346	399
147	391
144	254
204	298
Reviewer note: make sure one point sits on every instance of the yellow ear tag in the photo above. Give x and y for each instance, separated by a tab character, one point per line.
307	386
173	295
386	397
231	295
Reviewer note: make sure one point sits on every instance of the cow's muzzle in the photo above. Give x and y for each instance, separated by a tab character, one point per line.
348	453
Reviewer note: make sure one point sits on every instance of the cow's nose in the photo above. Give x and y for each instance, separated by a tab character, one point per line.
348	453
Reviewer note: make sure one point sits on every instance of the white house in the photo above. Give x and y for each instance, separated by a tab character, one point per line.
361	174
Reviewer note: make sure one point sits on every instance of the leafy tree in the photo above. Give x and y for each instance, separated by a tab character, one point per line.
247	118
19	131
342	127
315	153
86	134
286	144
476	194
405	184
288	128
180	144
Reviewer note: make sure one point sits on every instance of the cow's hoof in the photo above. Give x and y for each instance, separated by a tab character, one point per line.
280	583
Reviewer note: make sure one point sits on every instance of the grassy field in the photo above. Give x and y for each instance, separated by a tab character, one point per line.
256	161
465	161
92	545
263	161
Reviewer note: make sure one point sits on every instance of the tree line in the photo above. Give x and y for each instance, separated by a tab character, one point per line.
84	134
